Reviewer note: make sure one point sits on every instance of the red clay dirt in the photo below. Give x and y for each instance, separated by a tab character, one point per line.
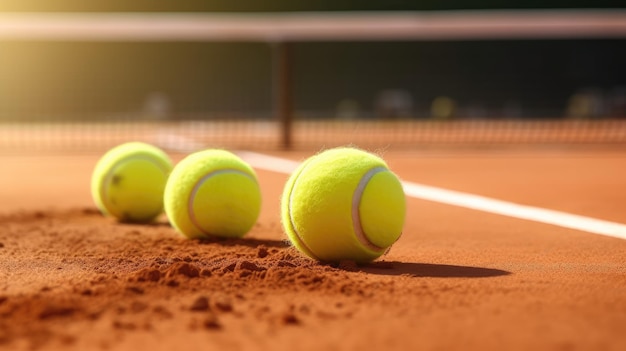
458	279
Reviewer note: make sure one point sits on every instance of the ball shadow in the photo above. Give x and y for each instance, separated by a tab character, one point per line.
430	270
248	242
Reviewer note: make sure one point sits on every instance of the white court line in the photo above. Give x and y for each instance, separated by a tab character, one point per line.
176	142
475	202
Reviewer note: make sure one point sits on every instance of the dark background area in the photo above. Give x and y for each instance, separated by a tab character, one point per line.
515	78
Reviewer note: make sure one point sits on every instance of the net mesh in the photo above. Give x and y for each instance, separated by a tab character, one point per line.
308	134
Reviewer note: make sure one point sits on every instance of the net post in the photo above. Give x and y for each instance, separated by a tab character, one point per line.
282	91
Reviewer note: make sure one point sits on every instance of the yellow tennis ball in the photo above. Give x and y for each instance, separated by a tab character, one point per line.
343	204
128	182
212	193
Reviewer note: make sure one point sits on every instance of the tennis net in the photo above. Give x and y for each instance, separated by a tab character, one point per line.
312	80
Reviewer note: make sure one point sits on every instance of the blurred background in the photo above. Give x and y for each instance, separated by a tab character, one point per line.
290	91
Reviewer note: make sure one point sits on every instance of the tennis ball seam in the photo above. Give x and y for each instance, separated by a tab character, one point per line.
109	175
292	226
196	188
356	214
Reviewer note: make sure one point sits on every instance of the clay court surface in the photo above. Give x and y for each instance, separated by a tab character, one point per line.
458	279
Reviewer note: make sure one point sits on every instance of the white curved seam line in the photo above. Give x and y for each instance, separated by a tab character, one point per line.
293	226
196	188
356	216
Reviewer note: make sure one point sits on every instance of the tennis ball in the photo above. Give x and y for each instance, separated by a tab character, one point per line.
128	182
212	193
343	204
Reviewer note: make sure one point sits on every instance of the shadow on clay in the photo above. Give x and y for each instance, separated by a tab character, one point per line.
249	242
430	270
151	224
